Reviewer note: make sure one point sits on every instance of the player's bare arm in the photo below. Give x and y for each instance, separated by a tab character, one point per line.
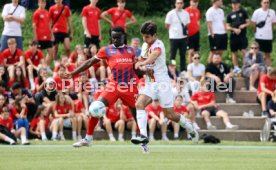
154	55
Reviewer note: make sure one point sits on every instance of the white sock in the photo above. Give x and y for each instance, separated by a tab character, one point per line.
74	134
176	135
43	135
32	84
151	134
142	118
185	123
54	136
61	133
209	124
164	135
120	136
110	135
228	124
23	139
89	137
133	134
10	140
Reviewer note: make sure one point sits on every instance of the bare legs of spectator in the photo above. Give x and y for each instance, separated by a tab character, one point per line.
120	126
152	127
80	118
267	59
100	72
11	71
190	55
107	125
50	56
263	99
176	128
235	57
84	98
66	45
41	129
54	129
30	69
254	75
132	126
6	139
21	132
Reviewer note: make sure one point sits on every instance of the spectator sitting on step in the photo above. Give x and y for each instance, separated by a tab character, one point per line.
271	106
130	121
254	65
156	119
19	78
181	89
81	118
172	71
196	73
40	80
114	119
205	102
135	44
221	77
265	89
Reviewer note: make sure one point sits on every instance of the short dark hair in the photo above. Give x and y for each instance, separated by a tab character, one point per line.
16	85
2	83
118	29
149	28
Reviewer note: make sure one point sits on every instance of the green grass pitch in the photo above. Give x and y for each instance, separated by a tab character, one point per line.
124	155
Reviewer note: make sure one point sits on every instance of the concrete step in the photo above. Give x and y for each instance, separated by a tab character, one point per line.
255	123
239	135
239	95
239	108
240	83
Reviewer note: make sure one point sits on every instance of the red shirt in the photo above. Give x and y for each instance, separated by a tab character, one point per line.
1	59
35	58
269	83
127	113
180	110
156	111
73	57
112	113
203	98
78	106
8	56
35	122
61	24
8	123
120	62
194	26
97	94
61	110
93	15
25	85
119	17
41	19
13	112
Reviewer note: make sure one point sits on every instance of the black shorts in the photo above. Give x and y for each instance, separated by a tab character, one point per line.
45	44
238	43
193	42
265	45
212	110
93	40
60	37
219	42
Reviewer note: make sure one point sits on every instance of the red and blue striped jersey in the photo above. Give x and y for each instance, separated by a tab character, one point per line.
120	62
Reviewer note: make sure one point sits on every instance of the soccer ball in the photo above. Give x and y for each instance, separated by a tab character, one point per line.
97	109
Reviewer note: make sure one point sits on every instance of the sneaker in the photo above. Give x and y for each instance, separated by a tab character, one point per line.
13	143
26	143
112	139
212	127
79	137
62	137
196	126
151	138
251	113
194	136
140	140
75	138
82	142
121	139
233	127
237	71
230	100
245	114
264	114
145	148
165	138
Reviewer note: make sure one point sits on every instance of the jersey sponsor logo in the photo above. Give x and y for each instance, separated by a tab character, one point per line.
42	16
233	16
124	60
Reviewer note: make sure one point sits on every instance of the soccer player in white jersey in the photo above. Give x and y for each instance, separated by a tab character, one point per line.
157	85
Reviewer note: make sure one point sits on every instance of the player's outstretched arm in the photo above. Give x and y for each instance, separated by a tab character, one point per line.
88	63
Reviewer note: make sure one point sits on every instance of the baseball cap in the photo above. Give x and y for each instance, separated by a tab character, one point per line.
235	1
49	80
172	62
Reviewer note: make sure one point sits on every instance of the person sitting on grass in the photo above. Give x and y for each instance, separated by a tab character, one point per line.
156	118
64	116
7	133
254	65
265	89
114	119
205	102
39	126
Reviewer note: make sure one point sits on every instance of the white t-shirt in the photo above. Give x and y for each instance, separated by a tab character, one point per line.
196	69
265	33
216	16
184	93
159	66
13	28
175	30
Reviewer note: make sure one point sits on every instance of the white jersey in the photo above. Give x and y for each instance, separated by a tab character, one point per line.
159	66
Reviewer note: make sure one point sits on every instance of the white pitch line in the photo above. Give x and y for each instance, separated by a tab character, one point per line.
150	146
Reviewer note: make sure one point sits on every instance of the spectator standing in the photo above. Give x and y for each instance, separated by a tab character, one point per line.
42	30
119	15
237	22
263	21
91	16
216	29
13	15
60	18
254	65
193	28
176	22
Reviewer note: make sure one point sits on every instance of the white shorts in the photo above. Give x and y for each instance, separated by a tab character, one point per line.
67	123
161	91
